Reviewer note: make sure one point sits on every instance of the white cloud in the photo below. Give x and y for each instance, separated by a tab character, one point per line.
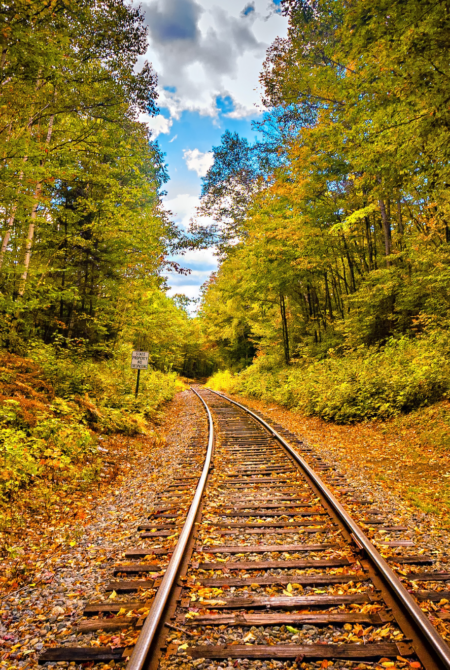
157	124
241	111
173	139
204	48
202	263
192	291
183	207
197	161
195	278
203	259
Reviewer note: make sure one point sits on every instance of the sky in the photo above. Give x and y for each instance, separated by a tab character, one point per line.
208	55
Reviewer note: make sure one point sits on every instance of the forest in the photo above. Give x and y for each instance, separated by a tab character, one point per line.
332	295
326	210
85	240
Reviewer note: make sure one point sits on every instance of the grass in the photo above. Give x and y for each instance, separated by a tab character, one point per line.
415	495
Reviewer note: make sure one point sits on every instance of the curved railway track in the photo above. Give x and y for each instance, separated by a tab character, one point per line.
267	568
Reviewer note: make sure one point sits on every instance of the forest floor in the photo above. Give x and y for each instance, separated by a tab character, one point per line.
408	457
61	549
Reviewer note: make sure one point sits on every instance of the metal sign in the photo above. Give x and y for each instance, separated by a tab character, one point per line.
139	360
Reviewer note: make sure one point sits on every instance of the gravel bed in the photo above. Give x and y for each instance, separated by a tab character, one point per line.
45	611
202	597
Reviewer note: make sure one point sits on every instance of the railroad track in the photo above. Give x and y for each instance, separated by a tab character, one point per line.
267	568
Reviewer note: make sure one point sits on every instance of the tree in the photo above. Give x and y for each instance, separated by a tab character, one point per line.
349	233
81	177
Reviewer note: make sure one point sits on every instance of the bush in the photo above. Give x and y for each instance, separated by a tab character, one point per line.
105	390
406	374
53	403
221	381
52	448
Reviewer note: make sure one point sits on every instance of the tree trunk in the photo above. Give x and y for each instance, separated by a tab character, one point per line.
10	224
310	301
337	293
3	59
350	264
328	298
29	240
12	216
71	320
386	224
31	227
287	357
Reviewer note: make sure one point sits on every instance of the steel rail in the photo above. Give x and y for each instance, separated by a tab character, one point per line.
140	651
422	623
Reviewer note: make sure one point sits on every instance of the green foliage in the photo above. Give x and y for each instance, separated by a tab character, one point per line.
52	448
102	393
83	234
377	383
222	380
53	404
341	260
84	240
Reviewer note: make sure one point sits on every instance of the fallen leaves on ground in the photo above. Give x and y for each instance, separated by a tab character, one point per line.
408	455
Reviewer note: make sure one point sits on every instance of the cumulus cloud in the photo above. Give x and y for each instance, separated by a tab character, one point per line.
197	161
240	111
202	263
196	48
183	207
189	286
157	124
173	20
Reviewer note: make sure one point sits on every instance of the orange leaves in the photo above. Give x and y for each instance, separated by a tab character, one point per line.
411	449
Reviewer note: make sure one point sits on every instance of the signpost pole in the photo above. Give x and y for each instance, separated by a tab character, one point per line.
139	361
137	383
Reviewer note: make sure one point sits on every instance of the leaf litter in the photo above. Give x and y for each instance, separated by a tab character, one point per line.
62	559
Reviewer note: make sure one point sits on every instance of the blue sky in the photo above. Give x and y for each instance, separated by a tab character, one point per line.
208	55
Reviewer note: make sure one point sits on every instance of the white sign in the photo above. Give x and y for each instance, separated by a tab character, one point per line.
139	360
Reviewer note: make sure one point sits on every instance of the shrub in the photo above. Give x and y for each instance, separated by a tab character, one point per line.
380	383
53	403
221	381
52	448
105	390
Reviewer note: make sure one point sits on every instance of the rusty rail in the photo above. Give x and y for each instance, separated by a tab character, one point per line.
140	651
428	632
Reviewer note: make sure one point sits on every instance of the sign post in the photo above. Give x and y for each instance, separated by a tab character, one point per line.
139	361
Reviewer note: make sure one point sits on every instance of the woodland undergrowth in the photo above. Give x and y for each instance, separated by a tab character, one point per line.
374	383
385	408
57	405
